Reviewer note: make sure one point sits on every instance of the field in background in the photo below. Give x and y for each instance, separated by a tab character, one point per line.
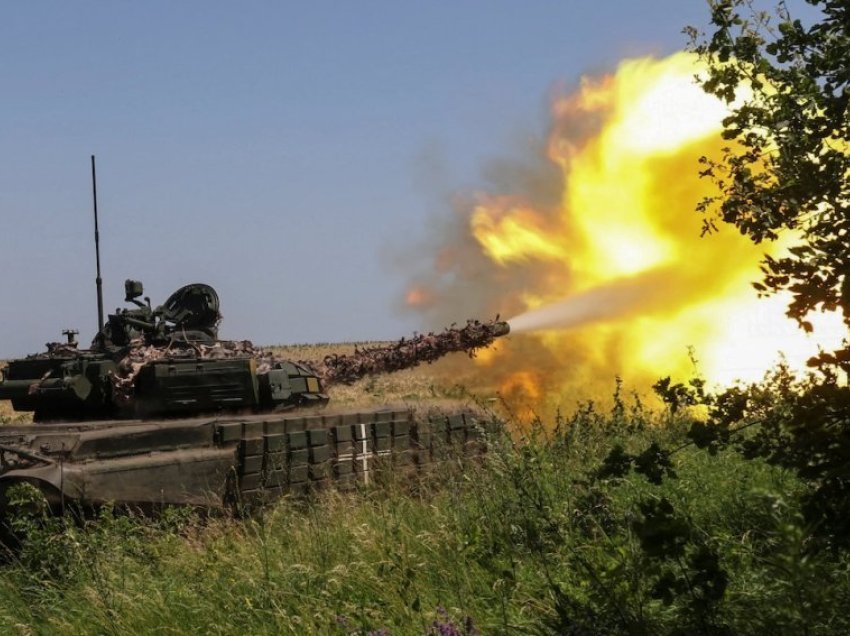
452	377
7	415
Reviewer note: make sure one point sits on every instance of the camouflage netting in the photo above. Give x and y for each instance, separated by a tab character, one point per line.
140	354
404	354
407	353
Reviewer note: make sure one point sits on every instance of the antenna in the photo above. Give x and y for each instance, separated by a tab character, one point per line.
98	281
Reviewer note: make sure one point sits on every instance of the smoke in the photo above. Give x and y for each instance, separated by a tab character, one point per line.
455	279
587	237
450	277
638	295
458	278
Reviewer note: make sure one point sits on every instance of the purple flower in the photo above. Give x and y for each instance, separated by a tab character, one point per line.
446	627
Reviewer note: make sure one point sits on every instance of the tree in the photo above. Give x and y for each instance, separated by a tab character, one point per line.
788	166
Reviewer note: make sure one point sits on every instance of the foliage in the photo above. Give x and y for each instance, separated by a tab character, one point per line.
788	165
803	426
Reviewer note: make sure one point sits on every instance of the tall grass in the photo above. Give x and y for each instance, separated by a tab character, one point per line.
542	535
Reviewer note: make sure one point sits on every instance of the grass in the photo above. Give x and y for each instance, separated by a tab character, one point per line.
528	540
6	412
552	532
10	416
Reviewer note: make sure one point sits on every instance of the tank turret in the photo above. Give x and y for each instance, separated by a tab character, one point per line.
163	361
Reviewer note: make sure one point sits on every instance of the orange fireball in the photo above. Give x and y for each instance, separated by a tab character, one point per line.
613	277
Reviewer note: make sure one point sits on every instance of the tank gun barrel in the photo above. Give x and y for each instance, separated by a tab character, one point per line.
501	328
407	353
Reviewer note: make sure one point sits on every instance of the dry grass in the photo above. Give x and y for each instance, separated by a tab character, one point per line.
451	378
5	410
7	414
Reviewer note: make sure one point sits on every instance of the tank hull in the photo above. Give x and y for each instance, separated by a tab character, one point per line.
226	461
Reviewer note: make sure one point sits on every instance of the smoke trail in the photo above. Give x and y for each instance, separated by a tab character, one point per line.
637	295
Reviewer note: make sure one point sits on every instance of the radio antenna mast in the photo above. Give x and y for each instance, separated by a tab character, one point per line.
98	281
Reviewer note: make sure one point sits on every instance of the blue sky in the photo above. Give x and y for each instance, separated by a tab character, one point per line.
286	153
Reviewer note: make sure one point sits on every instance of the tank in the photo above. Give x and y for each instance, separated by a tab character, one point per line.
159	411
156	362
167	361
